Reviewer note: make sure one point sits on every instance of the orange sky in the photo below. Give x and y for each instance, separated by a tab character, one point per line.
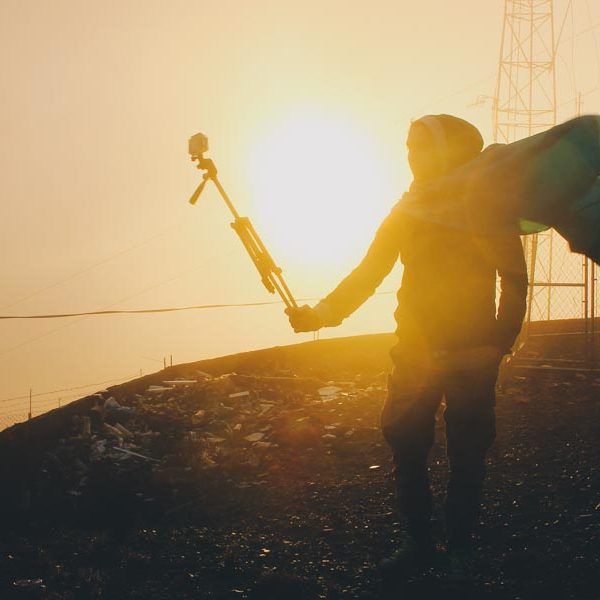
97	102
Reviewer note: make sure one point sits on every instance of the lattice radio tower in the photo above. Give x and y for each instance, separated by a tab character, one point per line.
525	104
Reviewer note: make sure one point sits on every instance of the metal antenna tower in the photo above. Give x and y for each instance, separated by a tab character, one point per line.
525	101
525	104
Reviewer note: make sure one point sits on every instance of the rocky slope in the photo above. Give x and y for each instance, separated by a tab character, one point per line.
264	475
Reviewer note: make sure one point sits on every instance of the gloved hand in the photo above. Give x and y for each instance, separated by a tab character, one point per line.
304	318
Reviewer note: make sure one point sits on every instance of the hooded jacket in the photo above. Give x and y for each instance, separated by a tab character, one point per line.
447	300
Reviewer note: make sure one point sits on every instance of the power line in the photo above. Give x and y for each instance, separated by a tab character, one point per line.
595	41
181	274
94	265
591	28
139	311
244	304
158	310
562	27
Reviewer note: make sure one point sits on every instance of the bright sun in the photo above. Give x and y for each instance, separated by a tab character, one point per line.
320	188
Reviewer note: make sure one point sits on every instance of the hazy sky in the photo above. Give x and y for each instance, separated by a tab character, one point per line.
306	105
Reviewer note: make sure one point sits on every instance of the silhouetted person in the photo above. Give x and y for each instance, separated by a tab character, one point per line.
451	340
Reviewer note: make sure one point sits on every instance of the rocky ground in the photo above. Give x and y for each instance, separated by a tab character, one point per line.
265	476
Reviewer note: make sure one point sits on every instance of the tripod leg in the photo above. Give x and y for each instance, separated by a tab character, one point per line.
269	271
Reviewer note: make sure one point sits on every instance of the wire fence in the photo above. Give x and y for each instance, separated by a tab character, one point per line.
21	408
21	414
563	285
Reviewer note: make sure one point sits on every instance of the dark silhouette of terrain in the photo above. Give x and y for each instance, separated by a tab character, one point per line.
264	475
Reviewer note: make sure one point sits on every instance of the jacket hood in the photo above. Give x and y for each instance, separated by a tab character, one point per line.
456	141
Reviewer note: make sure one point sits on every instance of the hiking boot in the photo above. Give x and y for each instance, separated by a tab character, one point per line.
460	562
412	557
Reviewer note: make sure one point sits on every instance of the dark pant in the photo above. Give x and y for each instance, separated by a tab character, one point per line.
407	422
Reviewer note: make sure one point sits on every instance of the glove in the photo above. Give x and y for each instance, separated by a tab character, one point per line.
304	318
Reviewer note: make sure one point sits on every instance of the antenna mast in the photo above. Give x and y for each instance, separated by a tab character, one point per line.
525	104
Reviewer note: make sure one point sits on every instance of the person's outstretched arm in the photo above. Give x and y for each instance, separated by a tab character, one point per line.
512	270
359	285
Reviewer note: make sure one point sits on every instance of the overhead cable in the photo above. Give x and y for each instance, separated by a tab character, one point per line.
138	311
158	310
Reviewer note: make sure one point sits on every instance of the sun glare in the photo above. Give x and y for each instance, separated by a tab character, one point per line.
320	187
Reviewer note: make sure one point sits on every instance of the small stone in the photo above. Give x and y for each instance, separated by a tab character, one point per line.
263	445
123	430
329	390
264	408
213	439
199	417
28	583
97	449
111	404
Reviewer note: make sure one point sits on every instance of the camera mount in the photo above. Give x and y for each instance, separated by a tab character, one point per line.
270	273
